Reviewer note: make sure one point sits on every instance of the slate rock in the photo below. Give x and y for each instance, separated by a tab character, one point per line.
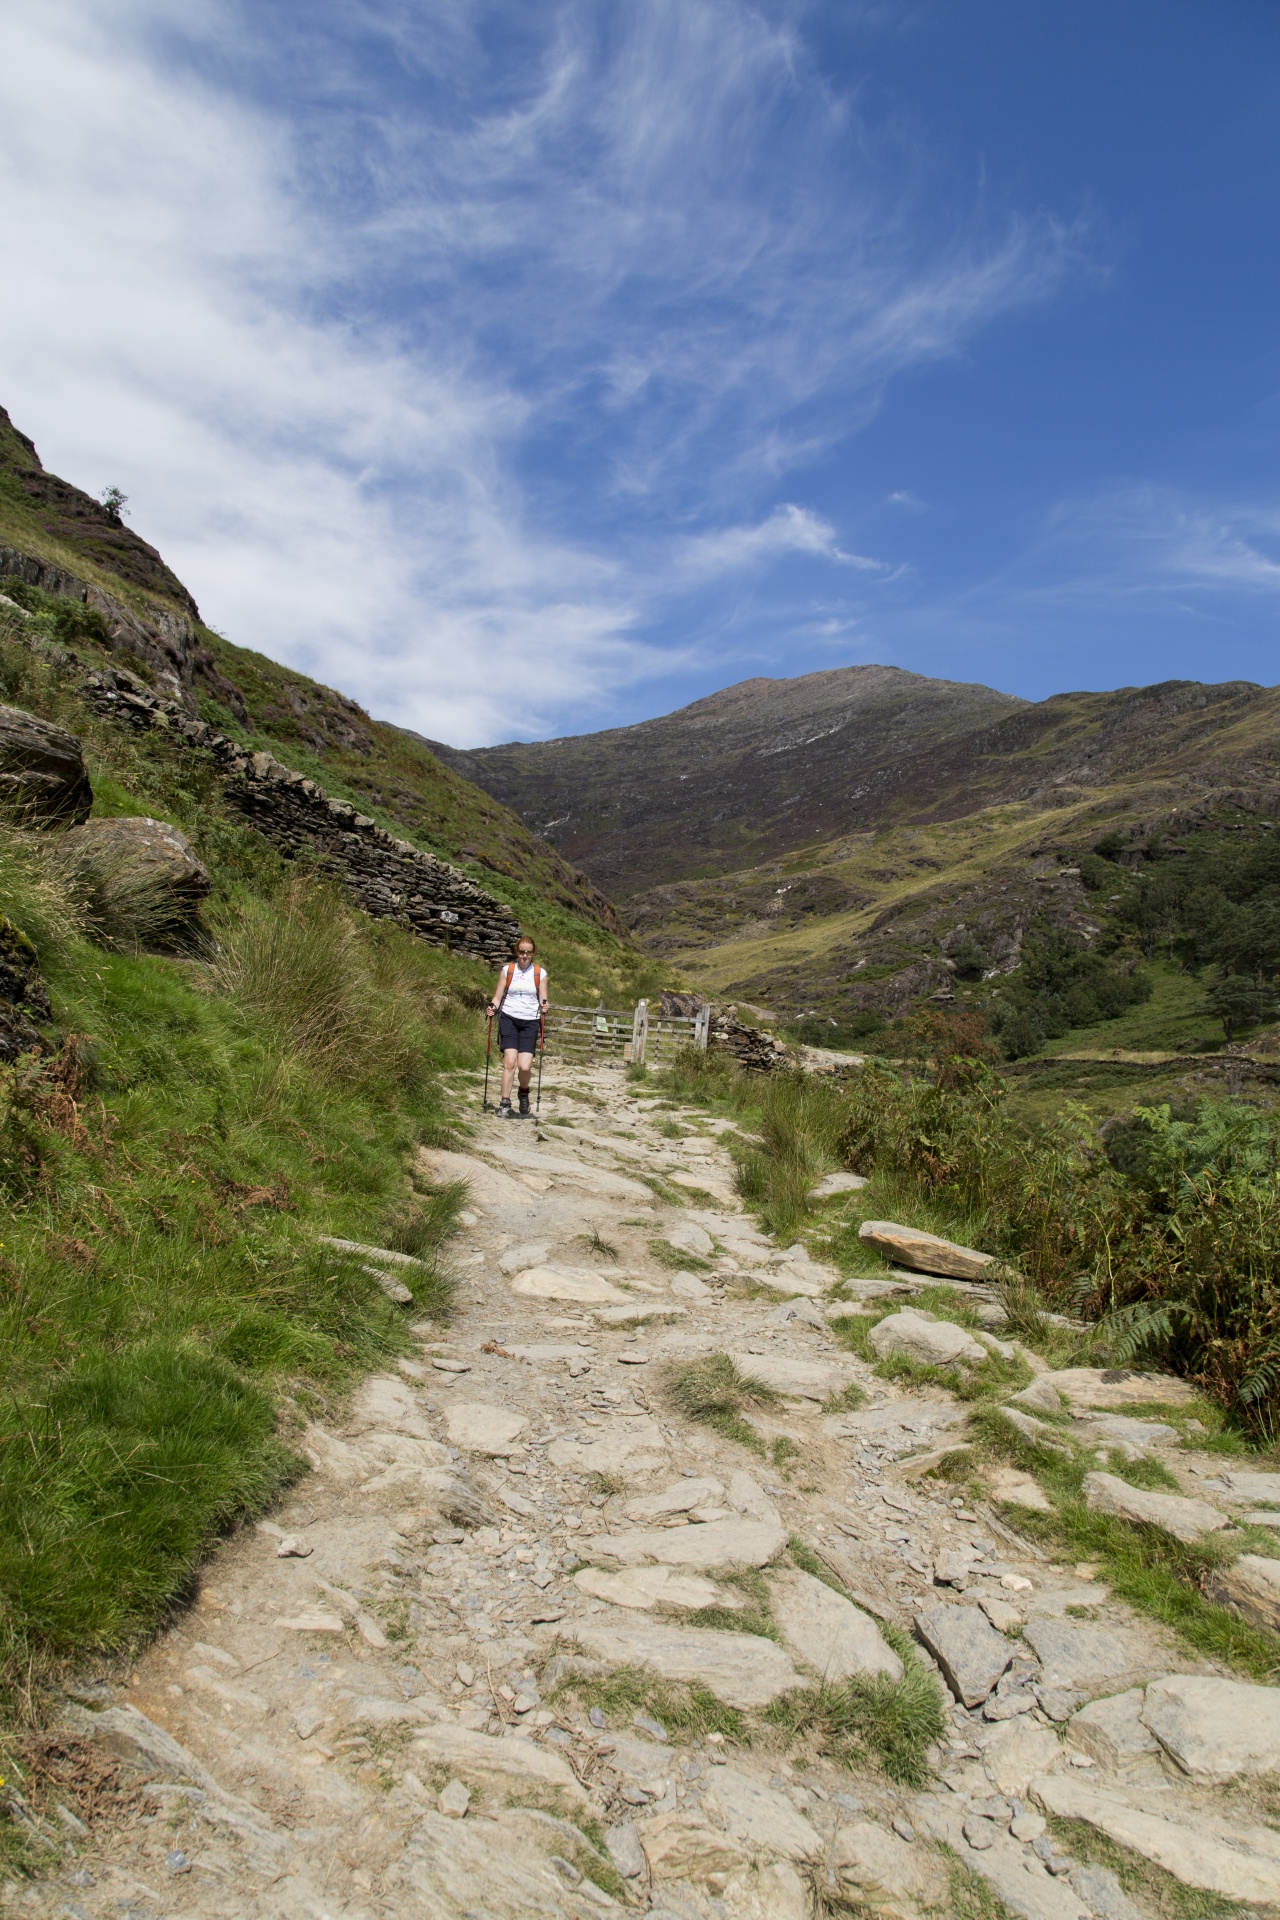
1017	1751
826	1631
971	1654
876	1869
925	1252
689	1287
938	1343
146	878
533	1253
835	1183
477	1756
680	1498
687	1237
745	1496
1250	1588
1112	1730
622	1844
762	1818
477	1427
804	1379
646	1587
1130	1432
1019	1489
1084	1658
1102	1893
1186	1519
576	1284
454	1799
1215	1729
721	1543
1041	1396
681	1846
1227	1858
43	779
770	1891
1254	1486
1114	1387
742	1669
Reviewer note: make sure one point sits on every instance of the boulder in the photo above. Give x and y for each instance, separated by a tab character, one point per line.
24	998
1215	1729
1112	1731
140	880
1226	1858
827	1632
925	1252
971	1654
43	780
774	1891
1129	1432
1083	1658
623	1845
1250	1588
1186	1519
938	1343
742	1669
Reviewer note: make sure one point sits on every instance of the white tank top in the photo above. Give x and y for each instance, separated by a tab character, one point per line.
521	1001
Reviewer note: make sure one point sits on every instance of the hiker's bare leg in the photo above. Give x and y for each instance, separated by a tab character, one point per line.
526	1069
509	1070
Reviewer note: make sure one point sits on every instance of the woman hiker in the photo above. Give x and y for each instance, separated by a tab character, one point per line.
519	1002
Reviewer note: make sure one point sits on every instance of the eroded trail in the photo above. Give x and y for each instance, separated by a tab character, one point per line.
434	1683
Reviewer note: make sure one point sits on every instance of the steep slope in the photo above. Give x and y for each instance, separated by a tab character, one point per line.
63	551
745	775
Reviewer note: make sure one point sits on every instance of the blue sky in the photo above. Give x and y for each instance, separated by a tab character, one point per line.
524	368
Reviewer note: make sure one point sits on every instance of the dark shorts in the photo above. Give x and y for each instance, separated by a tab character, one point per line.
520	1034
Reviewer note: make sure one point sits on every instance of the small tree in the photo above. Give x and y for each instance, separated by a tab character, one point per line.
114	501
1238	1001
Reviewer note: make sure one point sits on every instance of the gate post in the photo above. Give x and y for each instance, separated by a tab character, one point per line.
702	1027
639	1032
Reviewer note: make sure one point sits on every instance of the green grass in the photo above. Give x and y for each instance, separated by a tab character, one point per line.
1157	1891
693	1711
995	1378
676	1259
712	1391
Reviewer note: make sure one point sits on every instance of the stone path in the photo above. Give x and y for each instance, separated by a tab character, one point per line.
368	1708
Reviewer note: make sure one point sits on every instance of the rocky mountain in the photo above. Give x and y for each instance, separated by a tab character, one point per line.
822	843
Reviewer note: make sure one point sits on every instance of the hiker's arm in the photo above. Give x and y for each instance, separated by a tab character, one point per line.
543	989
495	999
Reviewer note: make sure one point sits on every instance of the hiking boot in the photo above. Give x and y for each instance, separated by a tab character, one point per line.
524	1103
504	1110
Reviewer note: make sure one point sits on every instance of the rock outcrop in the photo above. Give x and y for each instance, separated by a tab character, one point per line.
43	778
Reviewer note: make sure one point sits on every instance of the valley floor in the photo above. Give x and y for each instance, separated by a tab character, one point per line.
483	1661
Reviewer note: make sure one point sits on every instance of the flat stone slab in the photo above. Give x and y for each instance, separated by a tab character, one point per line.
877	1870
477	1427
646	1587
925	1252
1081	1657
625	1441
689	1287
683	1497
688	1237
1234	1861
1017	1751
637	1312
1112	1730
826	1631
578	1284
967	1647
539	1353
489	1186
742	1669
504	1763
1134	1433
1019	1489
1254	1486
1215	1729
788	1282
899	1426
803	1379
595	1179
938	1343
762	1818
1186	1519
1250	1588
1111	1387
534	1253
1040	1397
720	1543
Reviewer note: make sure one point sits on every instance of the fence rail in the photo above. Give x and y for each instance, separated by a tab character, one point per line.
608	1033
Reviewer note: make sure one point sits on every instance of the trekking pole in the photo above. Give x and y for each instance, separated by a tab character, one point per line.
542	1047
488	1048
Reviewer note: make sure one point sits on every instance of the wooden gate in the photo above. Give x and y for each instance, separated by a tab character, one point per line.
606	1033
657	1037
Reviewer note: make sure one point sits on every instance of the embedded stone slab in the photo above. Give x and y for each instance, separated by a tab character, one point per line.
1017	1751
1012	1871
1113	1387
835	1183
1254	1486
762	1818
899	1425
802	1379
1019	1489
595	1179
742	1669
926	1252
971	1654
1041	1396
487	1186
1185	1519
1250	1588
503	1763
681	1846
718	1543
1215	1729
1084	1658
1112	1730
577	1284
477	1427
1131	1432
879	1871
688	1237
388	1405
938	1343
786	1281
646	1587
689	1287
827	1632
637	1312
534	1253
1237	1862
627	1442
683	1497
744	1496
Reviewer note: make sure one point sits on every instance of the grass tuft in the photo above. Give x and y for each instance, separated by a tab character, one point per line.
712	1391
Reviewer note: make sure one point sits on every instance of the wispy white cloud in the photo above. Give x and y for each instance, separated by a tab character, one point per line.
438	348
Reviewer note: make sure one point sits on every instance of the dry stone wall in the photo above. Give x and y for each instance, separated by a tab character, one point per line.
388	878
